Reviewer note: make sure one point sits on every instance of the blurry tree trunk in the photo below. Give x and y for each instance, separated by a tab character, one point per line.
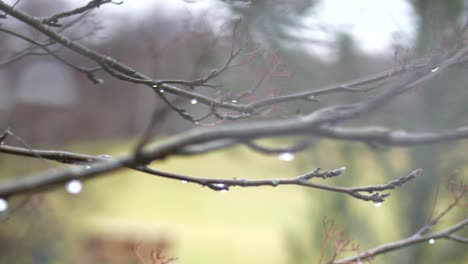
436	19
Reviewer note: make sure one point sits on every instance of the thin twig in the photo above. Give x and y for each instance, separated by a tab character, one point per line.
422	235
99	164
54	20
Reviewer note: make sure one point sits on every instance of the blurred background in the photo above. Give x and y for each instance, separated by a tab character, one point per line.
313	43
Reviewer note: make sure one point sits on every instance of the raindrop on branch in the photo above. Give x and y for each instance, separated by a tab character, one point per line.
161	90
193	101
377	204
431	241
104	156
222	187
312	98
184	181
286	156
219	185
435	69
88	167
339	170
3	205
74	187
233	100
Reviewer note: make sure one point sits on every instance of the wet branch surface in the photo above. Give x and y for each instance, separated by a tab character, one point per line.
91	164
207	137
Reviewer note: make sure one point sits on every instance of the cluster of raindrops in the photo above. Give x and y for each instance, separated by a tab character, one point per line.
286	156
161	90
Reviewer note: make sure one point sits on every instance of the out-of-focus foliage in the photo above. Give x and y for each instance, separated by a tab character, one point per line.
276	23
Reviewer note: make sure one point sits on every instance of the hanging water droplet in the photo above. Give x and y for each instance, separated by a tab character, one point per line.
193	101
220	185
234	100
274	183
435	69
431	241
161	90
74	186
286	156
184	181
312	98
339	170
3	205
377	204
244	182
104	156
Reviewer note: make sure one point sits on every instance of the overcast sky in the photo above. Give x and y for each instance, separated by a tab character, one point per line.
372	22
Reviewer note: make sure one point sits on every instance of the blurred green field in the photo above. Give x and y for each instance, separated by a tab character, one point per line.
244	225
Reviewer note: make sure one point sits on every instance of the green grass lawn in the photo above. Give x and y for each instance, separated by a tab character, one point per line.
244	225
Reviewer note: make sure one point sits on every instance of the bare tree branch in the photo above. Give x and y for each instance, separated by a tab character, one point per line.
463	240
53	20
124	72
223	106
101	164
387	136
392	246
88	71
422	235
